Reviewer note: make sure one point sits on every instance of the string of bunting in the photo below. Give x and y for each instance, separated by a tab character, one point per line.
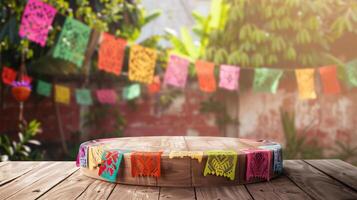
36	23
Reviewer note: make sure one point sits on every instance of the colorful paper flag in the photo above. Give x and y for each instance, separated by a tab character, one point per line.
36	21
111	54
221	163
44	88
176	72
306	83
267	80
72	42
106	96
205	73
84	97
131	92
8	75
142	64
62	94
110	165
329	80
351	71
258	164
155	86
228	77
145	164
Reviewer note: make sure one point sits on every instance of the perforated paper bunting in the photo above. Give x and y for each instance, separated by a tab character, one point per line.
44	88
84	97
111	54
8	75
95	156
176	72
205	73
221	163
155	86
277	157
267	80
329	80
306	83
110	165
192	154
62	94
72	42
36	21
82	156
258	164
142	64
146	164
106	96
228	77
131	92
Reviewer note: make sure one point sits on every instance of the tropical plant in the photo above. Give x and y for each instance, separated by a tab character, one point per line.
346	152
21	149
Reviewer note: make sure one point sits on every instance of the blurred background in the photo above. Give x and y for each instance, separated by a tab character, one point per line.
284	34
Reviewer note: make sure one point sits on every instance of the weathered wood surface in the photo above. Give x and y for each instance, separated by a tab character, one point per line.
310	179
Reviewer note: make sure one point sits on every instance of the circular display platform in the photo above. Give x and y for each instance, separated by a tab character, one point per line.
180	172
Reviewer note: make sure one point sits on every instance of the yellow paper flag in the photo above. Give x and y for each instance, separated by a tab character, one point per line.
62	94
306	83
142	64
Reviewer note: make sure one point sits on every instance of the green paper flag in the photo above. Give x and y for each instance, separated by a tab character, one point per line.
44	88
131	92
84	97
72	42
351	71
267	80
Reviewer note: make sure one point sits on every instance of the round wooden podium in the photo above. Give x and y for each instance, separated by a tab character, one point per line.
179	172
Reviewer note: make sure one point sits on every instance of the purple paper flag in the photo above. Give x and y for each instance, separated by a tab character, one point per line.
176	73
36	21
228	77
106	96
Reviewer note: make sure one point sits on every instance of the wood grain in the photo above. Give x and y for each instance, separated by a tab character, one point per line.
279	188
70	188
342	171
315	183
130	192
97	190
177	193
226	193
11	170
49	179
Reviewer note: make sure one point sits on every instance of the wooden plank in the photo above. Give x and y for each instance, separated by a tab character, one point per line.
129	192
338	169
177	193
98	190
227	192
49	179
70	188
13	170
3	163
279	188
315	183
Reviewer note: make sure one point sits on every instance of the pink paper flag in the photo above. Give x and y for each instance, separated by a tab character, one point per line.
228	77
106	96
258	164
176	73
36	21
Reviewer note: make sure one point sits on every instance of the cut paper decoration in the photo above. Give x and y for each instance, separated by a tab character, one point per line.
62	94
155	86
205	73
84	97
111	54
146	164
131	92
82	156
258	164
267	80
142	63
277	157
72	42
221	163
176	73
44	88
228	77
8	75
95	156
192	154
110	165
306	83
351	71
329	80
106	96
36	21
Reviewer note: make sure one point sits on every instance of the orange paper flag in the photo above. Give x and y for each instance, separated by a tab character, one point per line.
329	80
205	73
306	83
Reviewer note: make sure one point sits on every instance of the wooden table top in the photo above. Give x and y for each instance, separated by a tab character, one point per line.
302	179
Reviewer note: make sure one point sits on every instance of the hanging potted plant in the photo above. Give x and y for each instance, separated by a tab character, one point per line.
21	90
